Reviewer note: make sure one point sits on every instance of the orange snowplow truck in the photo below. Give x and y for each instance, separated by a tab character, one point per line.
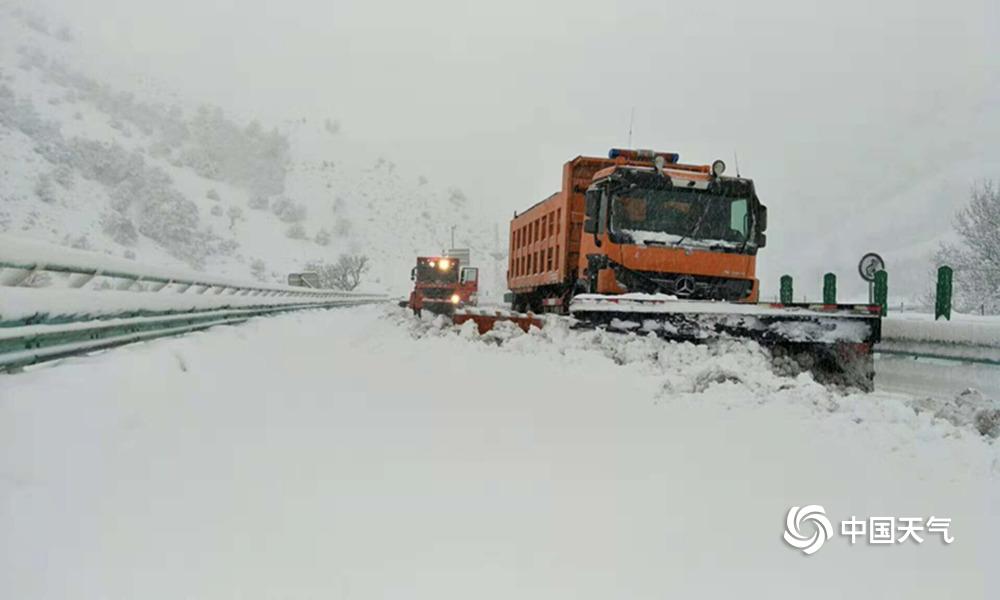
441	284
638	221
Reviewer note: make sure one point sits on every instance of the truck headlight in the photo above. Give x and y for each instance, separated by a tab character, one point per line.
444	264
455	298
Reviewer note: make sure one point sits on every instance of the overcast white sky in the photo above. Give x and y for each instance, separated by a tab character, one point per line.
496	96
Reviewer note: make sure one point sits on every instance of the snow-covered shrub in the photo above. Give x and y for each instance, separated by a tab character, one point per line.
37	22
216	210
79	242
345	274
323	237
246	156
288	211
457	197
342	227
258	202
106	163
235	213
63	175
258	268
213	195
44	189
31	58
296	232
976	260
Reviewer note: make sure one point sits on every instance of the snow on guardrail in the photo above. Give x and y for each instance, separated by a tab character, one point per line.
967	337
20	257
61	316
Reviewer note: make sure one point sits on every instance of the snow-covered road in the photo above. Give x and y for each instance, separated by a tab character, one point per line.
358	454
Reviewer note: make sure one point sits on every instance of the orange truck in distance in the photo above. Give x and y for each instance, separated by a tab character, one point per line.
442	284
638	221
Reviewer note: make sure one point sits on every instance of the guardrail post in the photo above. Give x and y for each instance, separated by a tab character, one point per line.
942	300
829	289
786	289
882	291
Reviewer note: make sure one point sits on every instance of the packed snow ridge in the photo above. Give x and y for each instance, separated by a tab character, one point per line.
730	371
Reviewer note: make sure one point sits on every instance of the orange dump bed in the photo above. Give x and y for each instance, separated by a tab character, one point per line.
545	239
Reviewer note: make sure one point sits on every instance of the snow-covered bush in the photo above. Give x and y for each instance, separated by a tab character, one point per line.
235	214
216	210
323	237
65	34
63	175
212	194
44	189
342	227
258	269
976	259
296	232
119	227
245	156
345	274
288	211
258	202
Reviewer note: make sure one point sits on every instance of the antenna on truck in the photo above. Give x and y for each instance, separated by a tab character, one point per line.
736	160
631	119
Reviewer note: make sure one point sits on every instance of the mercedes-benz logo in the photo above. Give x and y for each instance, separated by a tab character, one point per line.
684	286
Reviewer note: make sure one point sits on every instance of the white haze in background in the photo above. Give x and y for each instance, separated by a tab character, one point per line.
863	124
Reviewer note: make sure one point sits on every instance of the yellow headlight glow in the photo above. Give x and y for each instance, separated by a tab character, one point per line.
455	298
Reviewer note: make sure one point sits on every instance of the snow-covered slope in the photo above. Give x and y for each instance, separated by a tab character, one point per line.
145	175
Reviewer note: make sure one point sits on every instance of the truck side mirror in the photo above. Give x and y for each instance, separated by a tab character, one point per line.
761	240
469	275
762	219
413	274
592	209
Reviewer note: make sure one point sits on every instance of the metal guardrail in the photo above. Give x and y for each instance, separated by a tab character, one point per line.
968	341
58	302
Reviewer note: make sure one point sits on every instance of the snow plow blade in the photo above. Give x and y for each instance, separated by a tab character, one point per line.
833	341
485	320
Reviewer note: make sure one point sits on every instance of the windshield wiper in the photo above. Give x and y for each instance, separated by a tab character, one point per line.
654	242
694	230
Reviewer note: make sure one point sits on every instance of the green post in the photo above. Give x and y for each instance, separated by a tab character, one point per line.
942	301
786	289
882	291
829	289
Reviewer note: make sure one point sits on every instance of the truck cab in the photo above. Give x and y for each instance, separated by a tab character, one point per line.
669	228
441	284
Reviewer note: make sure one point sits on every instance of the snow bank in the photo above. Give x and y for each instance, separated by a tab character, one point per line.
686	368
981	332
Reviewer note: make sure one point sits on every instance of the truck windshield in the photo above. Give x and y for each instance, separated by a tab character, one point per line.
437	271
674	216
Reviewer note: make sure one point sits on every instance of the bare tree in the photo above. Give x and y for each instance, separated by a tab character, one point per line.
976	258
345	274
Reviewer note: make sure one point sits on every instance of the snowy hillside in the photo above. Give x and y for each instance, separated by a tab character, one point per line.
141	174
